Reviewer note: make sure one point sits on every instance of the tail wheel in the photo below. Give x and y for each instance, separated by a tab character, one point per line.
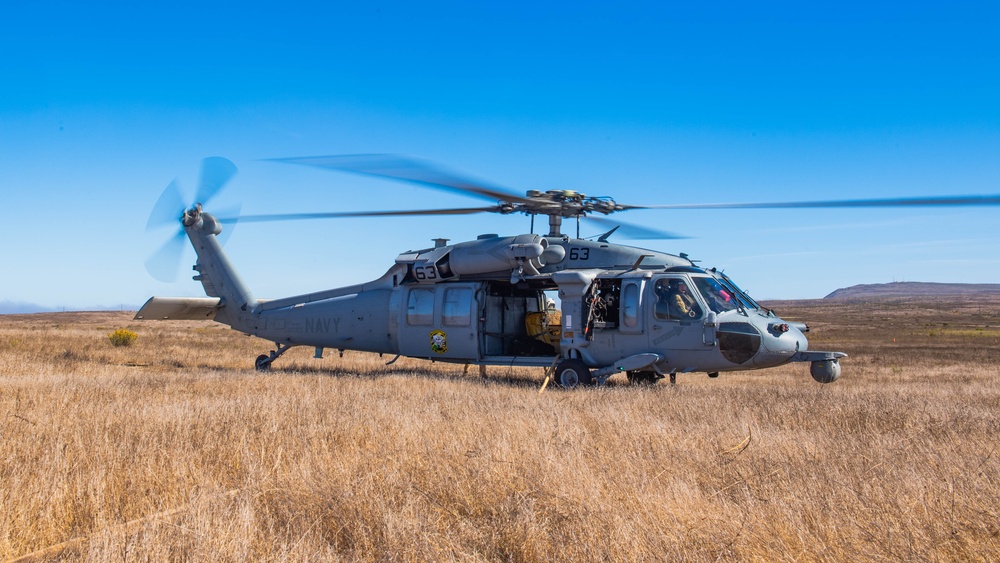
262	363
572	372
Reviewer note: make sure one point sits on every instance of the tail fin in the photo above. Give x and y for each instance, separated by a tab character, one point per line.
215	272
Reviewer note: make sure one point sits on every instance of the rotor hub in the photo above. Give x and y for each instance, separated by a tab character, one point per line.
561	203
192	216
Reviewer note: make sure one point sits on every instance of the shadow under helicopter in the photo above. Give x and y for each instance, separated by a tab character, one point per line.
500	376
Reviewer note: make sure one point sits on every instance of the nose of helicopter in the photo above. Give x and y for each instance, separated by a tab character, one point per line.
780	340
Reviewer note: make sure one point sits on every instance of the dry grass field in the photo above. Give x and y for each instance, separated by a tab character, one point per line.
174	449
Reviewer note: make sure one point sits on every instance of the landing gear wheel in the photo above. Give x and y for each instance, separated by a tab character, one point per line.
262	363
570	373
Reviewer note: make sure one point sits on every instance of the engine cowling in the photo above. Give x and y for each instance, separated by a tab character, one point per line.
496	254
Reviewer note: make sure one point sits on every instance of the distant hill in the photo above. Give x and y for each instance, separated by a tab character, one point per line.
913	289
21	308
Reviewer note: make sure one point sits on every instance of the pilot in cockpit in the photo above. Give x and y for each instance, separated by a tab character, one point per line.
683	304
674	301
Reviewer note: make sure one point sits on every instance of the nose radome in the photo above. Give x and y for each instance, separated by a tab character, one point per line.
781	341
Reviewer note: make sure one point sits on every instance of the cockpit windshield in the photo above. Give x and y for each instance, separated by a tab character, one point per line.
745	299
719	299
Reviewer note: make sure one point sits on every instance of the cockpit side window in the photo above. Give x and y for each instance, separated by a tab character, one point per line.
719	299
675	300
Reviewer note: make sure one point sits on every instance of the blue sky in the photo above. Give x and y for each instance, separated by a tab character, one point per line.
650	102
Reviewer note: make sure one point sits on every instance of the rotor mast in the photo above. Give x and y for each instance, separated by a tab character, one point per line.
555	225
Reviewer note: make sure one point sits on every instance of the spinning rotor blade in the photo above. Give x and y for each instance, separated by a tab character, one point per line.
168	209
232	211
410	170
967	200
344	214
165	262
215	173
636	232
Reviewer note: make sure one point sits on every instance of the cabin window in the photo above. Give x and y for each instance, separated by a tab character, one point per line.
457	306
420	307
630	305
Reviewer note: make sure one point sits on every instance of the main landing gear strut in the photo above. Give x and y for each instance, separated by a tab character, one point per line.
263	361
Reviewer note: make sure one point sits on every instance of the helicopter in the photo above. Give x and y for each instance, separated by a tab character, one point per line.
490	301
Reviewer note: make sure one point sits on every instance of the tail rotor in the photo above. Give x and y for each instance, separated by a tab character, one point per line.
164	264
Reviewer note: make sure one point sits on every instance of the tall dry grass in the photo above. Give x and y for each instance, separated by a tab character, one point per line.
174	449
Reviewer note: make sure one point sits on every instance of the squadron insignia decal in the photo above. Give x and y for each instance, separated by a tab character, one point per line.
439	341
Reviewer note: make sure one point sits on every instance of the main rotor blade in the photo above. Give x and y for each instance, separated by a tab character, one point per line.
168	208
961	200
344	214
232	211
215	173
407	169
636	232
165	262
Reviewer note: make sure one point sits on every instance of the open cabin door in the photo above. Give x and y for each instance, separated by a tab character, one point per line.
440	322
517	323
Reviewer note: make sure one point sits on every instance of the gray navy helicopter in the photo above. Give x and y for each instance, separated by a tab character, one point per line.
490	301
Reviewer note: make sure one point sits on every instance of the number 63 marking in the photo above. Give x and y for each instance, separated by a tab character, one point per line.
424	273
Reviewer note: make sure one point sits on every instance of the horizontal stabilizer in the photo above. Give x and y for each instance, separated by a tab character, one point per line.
180	308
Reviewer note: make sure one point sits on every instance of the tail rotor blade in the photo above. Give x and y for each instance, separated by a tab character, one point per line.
165	262
168	209
215	173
